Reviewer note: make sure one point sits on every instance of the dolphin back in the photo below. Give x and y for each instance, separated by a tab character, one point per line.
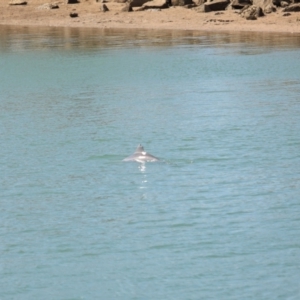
141	156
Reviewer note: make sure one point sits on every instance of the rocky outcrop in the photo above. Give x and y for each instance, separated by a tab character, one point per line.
266	5
252	12
292	8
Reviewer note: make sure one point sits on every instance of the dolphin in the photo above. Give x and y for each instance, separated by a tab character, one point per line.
141	156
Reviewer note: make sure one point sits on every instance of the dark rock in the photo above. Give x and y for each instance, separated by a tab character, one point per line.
48	6
292	8
216	5
73	15
192	5
104	8
286	14
72	1
181	2
17	2
277	3
203	8
239	4
127	8
251	17
138	3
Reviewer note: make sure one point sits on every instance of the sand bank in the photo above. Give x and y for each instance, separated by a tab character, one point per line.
174	18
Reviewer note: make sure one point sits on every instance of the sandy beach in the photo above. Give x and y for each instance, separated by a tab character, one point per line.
35	13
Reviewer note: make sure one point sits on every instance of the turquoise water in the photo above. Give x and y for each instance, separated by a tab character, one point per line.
217	218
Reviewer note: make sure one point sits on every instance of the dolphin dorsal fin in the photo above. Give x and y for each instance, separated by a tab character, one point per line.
139	148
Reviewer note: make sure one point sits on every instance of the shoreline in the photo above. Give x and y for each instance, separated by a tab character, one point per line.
173	18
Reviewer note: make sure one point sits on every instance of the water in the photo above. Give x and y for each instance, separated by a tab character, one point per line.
218	218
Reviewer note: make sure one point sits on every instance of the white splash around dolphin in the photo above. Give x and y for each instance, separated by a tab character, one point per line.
141	156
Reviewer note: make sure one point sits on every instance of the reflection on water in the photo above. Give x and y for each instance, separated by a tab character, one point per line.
14	38
142	168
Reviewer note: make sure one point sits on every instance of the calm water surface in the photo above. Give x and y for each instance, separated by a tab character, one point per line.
218	218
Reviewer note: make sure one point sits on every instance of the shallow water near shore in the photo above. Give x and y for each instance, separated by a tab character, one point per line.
217	218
